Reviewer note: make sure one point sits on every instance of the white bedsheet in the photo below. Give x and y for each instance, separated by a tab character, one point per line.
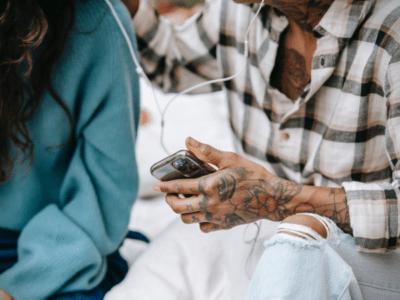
204	117
185	264
182	262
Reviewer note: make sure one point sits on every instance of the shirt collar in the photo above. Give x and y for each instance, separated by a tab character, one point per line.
343	18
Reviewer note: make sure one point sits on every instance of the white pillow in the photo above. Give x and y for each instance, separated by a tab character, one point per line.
203	117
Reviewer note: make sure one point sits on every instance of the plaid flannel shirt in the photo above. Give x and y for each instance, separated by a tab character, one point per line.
344	130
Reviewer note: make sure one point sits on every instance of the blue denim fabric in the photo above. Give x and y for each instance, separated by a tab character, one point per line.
303	269
378	275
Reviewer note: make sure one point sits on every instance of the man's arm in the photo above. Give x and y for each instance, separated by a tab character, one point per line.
243	191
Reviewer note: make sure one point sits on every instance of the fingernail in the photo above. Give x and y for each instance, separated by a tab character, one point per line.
192	142
157	188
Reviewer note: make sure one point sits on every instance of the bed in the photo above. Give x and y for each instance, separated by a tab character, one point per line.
181	262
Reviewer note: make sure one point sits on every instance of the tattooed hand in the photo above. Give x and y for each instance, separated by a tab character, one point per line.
240	192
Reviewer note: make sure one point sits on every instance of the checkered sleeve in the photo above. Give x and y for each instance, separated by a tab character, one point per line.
177	57
374	207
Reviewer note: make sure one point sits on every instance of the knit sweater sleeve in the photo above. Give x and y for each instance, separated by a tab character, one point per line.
64	246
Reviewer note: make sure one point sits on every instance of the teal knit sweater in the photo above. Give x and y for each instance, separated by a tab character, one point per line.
72	205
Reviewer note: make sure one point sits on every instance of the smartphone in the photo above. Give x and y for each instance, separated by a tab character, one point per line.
181	164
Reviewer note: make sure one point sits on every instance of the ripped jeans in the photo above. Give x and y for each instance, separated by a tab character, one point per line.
323	269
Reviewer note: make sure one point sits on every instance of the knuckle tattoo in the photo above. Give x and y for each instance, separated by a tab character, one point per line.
209	216
195	219
179	187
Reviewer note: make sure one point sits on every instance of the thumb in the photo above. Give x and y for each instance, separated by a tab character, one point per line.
205	152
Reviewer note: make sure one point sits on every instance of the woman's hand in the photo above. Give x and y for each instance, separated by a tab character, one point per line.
240	192
5	296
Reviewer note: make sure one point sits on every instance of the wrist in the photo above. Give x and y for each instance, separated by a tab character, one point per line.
327	202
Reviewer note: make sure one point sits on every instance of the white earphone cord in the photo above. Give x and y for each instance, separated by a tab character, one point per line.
140	71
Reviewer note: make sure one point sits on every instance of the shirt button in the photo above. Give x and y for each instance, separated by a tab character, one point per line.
322	61
273	36
285	136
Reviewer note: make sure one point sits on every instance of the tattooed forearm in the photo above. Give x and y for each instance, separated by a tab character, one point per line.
334	207
337	209
236	196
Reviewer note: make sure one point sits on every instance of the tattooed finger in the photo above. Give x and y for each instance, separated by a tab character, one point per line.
209	227
183	205
192	218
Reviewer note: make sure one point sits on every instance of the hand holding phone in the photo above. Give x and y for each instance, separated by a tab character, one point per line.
238	193
181	164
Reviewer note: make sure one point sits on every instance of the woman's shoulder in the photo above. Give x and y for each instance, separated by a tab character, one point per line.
96	33
94	14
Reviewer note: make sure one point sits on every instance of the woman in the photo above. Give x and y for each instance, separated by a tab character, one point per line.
67	129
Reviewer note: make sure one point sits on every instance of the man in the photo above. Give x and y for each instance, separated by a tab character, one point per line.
317	106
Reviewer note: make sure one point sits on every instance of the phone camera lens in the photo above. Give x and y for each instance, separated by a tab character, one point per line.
180	164
186	166
193	167
182	168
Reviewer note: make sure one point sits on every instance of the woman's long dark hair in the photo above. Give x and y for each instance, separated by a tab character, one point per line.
24	25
